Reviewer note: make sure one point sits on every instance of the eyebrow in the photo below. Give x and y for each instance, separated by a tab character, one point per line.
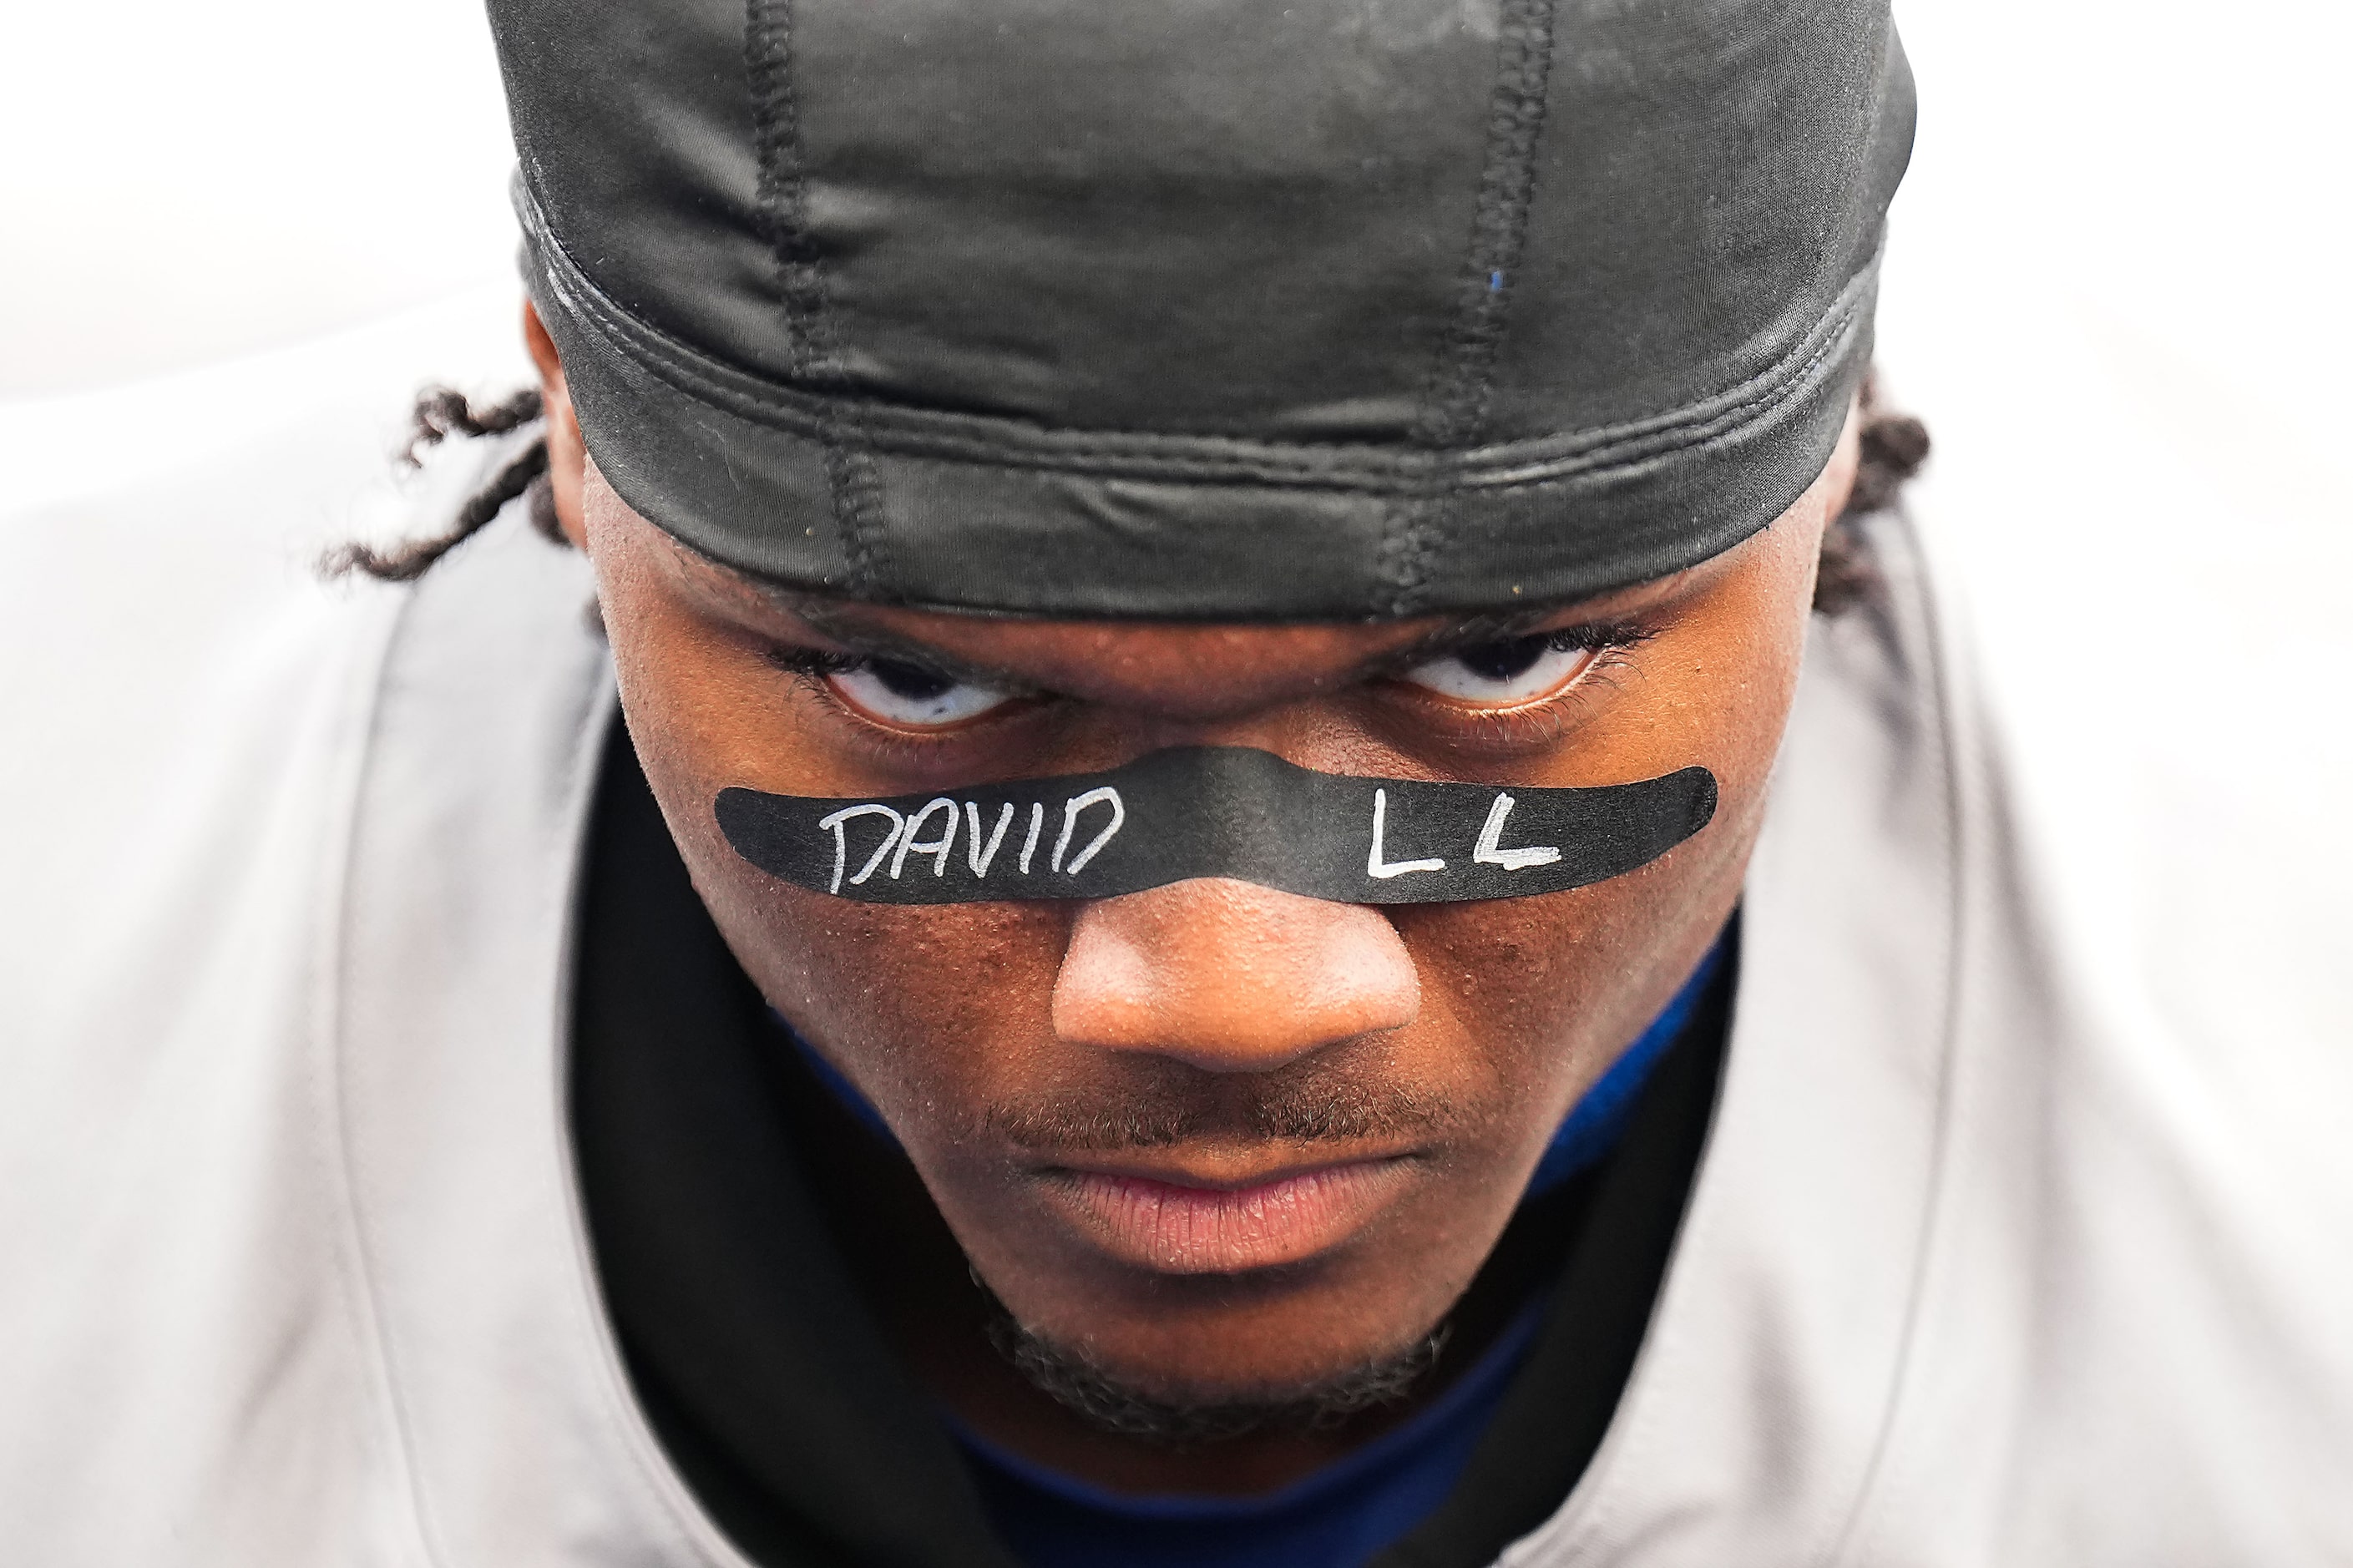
839	622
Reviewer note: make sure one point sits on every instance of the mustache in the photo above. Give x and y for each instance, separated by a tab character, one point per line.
1162	1117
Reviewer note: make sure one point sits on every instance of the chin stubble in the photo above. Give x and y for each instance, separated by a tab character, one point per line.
1080	1383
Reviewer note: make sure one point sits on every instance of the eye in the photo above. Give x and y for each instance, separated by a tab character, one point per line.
1499	674
897	692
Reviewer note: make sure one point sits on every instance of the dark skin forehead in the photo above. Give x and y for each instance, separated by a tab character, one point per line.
1176	669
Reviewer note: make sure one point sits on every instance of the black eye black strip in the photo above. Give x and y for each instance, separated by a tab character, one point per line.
1216	812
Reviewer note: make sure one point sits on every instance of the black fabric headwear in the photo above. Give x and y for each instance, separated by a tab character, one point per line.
1220	308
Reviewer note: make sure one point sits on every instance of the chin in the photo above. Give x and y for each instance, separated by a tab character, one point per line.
1227	1395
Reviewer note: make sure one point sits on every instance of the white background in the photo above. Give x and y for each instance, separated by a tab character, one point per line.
181	182
184	183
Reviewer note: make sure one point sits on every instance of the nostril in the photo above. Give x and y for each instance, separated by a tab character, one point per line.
1230	976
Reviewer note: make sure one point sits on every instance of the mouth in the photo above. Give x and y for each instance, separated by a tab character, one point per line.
1181	1223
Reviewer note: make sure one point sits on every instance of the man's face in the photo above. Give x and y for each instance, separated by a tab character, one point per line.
1223	1141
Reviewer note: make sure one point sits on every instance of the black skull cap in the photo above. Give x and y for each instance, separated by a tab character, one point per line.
1230	308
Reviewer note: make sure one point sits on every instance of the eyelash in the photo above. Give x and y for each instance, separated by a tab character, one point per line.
815	663
888	743
1608	641
1601	636
1548	718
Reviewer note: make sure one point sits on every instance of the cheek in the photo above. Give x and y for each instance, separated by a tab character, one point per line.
926	1009
921	1005
1546	991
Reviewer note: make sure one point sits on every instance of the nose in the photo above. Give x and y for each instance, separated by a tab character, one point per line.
1230	976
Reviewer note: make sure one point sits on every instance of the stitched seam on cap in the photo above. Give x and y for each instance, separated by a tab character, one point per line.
1457	406
1454	407
995	441
783	187
858	491
809	334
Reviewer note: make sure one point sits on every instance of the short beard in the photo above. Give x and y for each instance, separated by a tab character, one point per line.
1079	1382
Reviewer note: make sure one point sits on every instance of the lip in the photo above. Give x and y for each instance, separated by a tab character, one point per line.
1185	1225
